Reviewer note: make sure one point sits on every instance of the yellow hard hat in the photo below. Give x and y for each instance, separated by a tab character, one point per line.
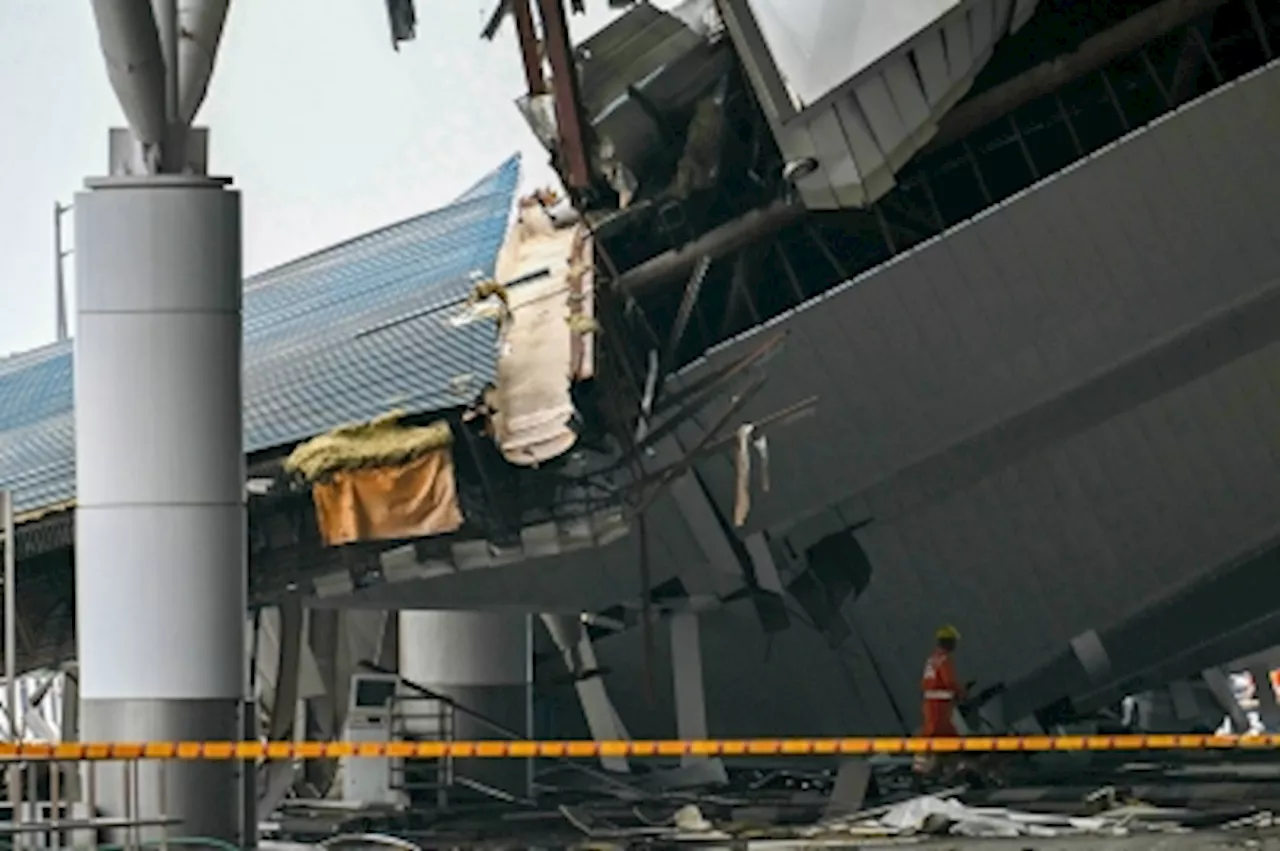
947	633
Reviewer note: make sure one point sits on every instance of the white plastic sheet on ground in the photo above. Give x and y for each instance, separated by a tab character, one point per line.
914	815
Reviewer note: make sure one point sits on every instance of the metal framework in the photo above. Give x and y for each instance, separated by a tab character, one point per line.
776	258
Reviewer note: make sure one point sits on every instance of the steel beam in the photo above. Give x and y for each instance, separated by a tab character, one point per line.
1048	77
718	242
564	84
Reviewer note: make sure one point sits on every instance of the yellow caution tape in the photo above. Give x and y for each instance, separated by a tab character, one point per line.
660	748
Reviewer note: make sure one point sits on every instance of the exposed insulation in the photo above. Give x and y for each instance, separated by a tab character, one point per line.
42	512
380	442
547	343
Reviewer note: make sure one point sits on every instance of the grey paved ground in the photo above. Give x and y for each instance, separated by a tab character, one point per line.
1184	842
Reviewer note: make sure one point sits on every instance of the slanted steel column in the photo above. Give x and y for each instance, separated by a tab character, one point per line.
564	85
1215	679
530	48
571	639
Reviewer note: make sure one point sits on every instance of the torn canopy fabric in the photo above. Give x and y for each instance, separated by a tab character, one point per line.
547	344
381	481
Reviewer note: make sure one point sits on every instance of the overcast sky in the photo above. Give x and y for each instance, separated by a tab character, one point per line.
327	131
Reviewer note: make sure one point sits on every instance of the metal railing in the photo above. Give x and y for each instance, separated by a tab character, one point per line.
411	692
54	804
423	718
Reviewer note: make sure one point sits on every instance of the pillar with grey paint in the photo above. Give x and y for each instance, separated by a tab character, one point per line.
484	661
160	516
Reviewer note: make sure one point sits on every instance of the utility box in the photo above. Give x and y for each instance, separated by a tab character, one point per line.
369	719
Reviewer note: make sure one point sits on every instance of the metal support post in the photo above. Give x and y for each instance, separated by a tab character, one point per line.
14	772
564	84
530	49
249	777
10	615
59	277
690	696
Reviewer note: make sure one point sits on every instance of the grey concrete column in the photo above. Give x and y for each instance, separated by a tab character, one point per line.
484	661
160	520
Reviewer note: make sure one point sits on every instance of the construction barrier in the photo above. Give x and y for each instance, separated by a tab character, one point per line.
75	751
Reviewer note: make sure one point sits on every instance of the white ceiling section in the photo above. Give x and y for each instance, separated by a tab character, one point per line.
858	86
819	44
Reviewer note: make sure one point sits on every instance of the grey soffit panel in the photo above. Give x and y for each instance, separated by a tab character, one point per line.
1022	304
1082	534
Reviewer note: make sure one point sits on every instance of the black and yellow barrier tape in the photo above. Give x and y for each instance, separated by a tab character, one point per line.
75	751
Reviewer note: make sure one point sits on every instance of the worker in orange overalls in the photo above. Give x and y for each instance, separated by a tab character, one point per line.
942	691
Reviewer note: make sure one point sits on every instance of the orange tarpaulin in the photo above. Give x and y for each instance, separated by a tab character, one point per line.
410	500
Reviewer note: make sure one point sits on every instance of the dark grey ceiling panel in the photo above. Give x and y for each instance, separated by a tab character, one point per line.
1055	414
1042	294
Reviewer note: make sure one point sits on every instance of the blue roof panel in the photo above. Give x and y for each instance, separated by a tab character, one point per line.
341	335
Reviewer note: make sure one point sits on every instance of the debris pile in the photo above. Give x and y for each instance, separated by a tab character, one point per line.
948	816
939	815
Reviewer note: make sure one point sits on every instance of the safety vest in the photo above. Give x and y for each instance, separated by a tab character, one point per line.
939	680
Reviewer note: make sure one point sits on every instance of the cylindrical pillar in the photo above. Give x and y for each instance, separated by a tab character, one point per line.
484	661
160	519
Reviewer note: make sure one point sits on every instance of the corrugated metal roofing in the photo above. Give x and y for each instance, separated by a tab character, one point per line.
323	344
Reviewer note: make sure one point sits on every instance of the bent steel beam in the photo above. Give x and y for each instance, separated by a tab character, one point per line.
571	638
